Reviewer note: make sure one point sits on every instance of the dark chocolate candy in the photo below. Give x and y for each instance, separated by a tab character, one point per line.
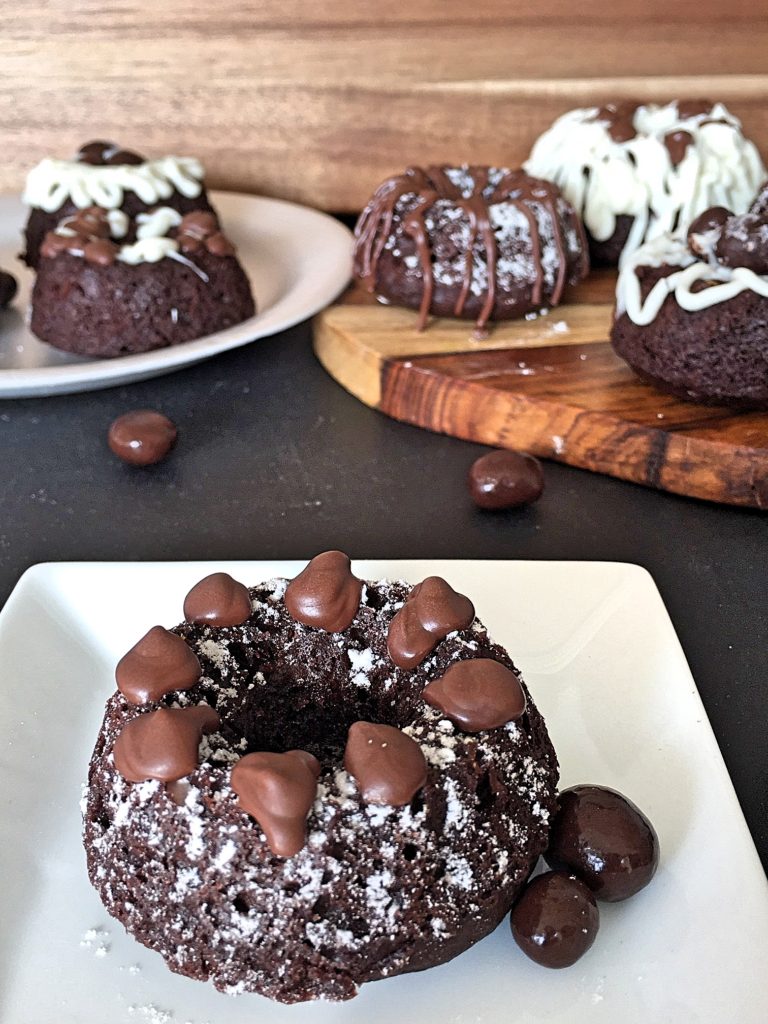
158	664
102	153
325	594
693	108
433	610
8	288
705	230
677	144
505	479
163	744
556	919
142	437
388	766
605	839
278	790
218	600
477	694
619	118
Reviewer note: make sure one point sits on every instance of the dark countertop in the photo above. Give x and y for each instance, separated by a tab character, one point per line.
276	461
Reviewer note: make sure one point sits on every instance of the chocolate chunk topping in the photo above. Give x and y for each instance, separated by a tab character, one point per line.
218	600
158	664
278	790
606	840
693	108
142	437
7	288
733	240
556	919
100	251
200	229
325	594
163	744
619	120
743	242
388	766
505	479
706	229
101	154
677	144
433	610
477	694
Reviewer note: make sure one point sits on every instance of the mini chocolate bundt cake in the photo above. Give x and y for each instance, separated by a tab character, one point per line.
97	294
637	171
103	174
692	316
314	784
481	243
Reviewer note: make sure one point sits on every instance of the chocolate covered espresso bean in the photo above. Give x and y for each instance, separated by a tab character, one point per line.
142	437
505	479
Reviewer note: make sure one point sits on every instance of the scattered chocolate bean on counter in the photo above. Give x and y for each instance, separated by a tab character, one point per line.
142	437
505	479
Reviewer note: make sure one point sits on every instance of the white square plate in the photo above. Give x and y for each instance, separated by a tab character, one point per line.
604	665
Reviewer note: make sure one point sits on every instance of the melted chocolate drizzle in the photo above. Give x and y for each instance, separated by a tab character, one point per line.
432	184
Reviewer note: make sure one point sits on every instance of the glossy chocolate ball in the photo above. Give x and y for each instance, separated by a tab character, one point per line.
7	288
604	839
556	919
505	479
142	437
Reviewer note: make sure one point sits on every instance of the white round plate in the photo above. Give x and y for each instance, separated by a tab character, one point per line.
298	260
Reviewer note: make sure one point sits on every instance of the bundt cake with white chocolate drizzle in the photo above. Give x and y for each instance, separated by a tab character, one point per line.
480	243
316	783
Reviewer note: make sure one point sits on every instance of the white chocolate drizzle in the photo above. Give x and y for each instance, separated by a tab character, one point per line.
723	282
604	179
53	182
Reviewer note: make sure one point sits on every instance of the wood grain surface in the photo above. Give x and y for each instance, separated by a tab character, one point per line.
552	386
318	102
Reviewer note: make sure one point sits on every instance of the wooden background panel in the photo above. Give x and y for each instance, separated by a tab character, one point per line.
319	102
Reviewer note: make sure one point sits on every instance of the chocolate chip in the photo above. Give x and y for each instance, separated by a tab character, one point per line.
605	839
7	288
219	245
95	152
388	766
158	664
677	144
123	157
142	437
556	919
325	594
505	479
92	221
706	229
619	120
278	790
693	108
433	610
100	251
218	600
743	242
53	245
199	224
163	744
477	694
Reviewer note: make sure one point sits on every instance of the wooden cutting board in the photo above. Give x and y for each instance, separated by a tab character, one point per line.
552	386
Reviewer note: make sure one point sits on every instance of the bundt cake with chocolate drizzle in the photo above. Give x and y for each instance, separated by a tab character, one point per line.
480	243
317	783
